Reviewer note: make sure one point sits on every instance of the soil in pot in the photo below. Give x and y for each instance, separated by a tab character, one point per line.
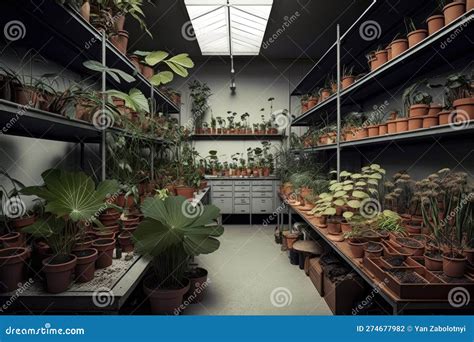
407	276
416	37
164	301
396	260
373	250
430	121
198	284
435	23
85	266
185	191
12	262
454	265
411	244
357	247
433	261
105	247
58	272
453	10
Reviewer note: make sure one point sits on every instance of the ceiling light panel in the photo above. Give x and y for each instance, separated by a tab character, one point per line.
248	20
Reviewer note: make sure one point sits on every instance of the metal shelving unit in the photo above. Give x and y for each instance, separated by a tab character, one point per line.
258	137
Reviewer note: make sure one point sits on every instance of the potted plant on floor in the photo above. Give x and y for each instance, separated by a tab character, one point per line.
171	234
72	199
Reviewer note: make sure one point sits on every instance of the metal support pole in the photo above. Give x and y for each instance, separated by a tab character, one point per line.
338	138
81	146
103	146
152	157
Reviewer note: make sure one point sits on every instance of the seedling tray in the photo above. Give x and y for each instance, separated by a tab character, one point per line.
431	286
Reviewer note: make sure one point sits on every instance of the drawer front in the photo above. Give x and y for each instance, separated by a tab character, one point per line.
224	204
262	188
242	200
263	182
242	194
222	194
262	206
222	188
241	188
262	194
242	182
242	209
222	182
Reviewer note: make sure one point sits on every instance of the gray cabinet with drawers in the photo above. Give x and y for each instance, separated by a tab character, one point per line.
245	196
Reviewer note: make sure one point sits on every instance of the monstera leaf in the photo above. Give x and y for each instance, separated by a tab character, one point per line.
72	195
175	222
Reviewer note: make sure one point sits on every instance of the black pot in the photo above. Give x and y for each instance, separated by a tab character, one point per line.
294	257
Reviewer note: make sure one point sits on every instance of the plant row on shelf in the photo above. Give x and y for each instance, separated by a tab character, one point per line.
132	111
200	93
418	112
76	226
377	216
449	11
109	17
256	162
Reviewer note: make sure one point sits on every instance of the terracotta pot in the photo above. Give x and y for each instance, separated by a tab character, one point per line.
125	202
383	129
469	5
198	282
445	117
325	93
419	110
85	266
119	22
84	243
105	247
135	61
373	131
120	41
27	96
398	47
185	191
454	267
125	241
12	240
430	121
346	227
435	109
433	264
334	227
347	81
419	250
86	11
58	275
320	221
453	10
464	109
416	37
357	247
12	262
130	221
361	133
147	71
435	23
164	301
312	102
415	123
402	125
391	127
381	57
373	253
389	52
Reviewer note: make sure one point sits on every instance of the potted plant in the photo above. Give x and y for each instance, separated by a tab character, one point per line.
452	9
200	94
415	35
436	21
171	237
398	46
347	76
72	199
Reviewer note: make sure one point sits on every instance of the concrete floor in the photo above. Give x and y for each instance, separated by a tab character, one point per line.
249	275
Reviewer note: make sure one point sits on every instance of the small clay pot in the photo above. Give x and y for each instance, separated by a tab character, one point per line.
419	110
391	127
433	264
347	81
416	37
185	191
373	131
58	275
454	267
402	125
12	240
435	23
415	123
164	301
381	57
383	129
430	121
446	117
85	266
334	227
435	109
453	10
105	247
357	247
398	47
373	250
125	241
464	109
12	263
147	71
198	285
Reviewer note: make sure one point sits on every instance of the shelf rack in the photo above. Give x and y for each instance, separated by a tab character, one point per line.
258	137
416	61
62	35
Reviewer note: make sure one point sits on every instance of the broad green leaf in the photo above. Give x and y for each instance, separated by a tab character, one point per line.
182	60
348	214
162	77
155	57
359	194
354	204
330	212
